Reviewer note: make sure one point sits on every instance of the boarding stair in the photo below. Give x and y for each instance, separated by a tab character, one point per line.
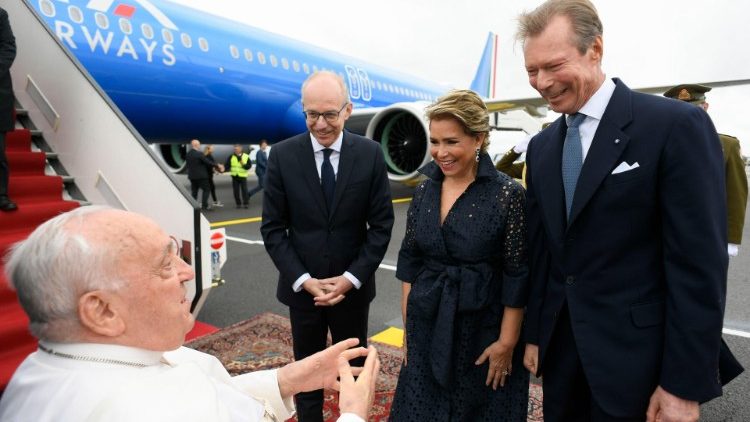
37	187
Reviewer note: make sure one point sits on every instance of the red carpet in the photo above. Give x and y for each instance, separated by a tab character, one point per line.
264	342
39	198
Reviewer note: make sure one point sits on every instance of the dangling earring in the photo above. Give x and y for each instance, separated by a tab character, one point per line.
478	152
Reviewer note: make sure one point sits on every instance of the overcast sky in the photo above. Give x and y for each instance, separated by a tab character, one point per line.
646	42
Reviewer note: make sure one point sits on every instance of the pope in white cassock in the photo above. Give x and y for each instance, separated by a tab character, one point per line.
104	290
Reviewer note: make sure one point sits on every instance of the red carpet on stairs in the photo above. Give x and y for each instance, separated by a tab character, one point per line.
39	198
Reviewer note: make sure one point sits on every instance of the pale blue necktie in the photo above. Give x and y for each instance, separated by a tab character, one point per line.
327	178
572	158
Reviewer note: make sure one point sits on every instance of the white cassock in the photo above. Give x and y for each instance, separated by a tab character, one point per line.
182	385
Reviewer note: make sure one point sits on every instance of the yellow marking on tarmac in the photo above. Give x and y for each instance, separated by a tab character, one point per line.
259	219
235	222
392	336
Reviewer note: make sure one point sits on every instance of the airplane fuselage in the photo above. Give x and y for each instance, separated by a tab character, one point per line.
178	73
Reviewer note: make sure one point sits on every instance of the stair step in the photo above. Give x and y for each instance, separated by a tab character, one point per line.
30	215
68	180
26	162
28	189
51	155
18	140
21	112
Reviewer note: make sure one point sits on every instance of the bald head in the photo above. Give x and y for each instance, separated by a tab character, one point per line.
326	82
195	144
102	275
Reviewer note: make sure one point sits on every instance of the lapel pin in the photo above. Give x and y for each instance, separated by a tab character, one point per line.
617	141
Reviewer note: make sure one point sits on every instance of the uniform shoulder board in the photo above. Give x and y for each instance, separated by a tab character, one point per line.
728	136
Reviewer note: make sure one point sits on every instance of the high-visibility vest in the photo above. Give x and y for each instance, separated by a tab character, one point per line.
237	169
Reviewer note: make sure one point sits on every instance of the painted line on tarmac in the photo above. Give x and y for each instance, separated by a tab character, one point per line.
245	241
234	222
260	242
733	332
218	224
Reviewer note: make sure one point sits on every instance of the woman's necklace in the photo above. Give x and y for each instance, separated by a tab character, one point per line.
91	359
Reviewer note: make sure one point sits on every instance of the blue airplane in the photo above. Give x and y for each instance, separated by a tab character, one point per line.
178	74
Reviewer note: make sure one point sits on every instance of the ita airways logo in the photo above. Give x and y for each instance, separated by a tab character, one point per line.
127	9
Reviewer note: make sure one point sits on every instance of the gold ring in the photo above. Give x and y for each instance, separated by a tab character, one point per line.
505	372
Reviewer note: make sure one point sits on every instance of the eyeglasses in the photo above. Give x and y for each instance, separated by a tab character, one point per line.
330	116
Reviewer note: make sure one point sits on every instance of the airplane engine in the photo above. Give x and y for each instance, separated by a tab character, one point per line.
173	155
402	131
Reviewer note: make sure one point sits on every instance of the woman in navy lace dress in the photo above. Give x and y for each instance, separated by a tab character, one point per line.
464	271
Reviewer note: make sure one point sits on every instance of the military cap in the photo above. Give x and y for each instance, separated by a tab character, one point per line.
692	93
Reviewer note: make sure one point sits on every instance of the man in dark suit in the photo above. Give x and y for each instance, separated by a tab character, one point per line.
198	168
327	219
734	166
627	232
261	162
7	55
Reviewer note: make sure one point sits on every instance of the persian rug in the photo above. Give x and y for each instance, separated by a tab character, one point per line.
265	342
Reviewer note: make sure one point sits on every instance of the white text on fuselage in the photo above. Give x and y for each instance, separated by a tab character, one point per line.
105	42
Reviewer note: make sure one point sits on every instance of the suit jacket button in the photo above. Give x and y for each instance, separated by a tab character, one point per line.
570	280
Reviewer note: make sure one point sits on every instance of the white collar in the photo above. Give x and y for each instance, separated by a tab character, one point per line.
596	105
107	352
336	146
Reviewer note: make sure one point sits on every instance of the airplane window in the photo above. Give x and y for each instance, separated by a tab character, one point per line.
306	68
47	8
101	20
203	43
261	58
380	86
75	14
167	35
186	40
234	51
285	63
248	55
274	60
147	30
295	65
126	27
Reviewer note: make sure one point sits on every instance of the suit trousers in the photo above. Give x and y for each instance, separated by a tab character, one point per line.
239	187
202	184
567	395
309	334
4	170
258	188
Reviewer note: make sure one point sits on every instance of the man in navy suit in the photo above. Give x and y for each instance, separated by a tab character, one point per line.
327	219
261	162
627	231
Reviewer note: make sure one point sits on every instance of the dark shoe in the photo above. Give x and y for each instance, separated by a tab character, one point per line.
244	206
208	208
7	205
238	206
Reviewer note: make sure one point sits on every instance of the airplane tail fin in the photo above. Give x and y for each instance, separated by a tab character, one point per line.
484	79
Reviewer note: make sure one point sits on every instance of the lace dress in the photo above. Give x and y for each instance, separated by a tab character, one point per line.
463	274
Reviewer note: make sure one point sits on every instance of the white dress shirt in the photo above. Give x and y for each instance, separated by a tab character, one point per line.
594	110
334	159
182	385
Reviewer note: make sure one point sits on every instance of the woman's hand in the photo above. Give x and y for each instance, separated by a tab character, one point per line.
500	357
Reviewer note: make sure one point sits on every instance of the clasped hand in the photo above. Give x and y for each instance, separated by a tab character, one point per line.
500	357
328	291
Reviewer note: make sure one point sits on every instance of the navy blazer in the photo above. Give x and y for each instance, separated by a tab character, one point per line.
301	235
642	263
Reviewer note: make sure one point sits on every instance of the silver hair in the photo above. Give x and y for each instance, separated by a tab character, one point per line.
53	267
339	79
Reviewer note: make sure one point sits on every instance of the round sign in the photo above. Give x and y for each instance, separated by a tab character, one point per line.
217	240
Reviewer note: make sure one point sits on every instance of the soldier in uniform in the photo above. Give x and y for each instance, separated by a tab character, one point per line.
508	164
734	165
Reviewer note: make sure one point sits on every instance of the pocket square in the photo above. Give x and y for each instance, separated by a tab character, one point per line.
623	167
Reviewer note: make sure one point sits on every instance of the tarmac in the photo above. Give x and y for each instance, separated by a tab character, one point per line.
251	276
